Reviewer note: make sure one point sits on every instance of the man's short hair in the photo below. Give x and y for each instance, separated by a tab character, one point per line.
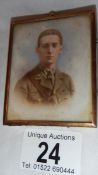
50	32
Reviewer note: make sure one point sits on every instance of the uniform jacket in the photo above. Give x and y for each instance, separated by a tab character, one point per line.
35	87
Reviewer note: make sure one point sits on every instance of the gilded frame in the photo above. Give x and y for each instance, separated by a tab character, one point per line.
90	13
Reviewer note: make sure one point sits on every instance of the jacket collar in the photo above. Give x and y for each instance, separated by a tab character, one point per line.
38	75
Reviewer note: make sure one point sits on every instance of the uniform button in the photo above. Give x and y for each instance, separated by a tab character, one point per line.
54	92
59	100
39	100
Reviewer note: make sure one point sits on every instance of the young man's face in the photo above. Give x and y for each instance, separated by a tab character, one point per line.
49	50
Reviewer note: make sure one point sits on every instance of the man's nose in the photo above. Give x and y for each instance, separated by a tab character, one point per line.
50	48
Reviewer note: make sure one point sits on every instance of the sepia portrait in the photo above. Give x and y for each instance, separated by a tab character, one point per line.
51	73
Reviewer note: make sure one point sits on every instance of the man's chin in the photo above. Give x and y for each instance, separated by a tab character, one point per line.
49	64
50	60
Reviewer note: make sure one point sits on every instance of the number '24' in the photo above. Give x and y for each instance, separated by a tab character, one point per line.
54	151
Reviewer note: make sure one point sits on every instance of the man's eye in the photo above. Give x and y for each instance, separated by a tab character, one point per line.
54	45
45	45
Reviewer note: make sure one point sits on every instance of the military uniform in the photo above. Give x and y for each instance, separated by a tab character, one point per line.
44	86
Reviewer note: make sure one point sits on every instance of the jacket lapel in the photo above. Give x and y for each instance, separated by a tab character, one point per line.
45	83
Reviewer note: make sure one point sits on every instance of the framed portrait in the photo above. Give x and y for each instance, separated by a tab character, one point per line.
51	70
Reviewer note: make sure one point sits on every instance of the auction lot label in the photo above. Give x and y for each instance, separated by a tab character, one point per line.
51	151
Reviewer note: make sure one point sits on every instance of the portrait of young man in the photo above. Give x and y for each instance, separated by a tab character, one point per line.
45	83
50	63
